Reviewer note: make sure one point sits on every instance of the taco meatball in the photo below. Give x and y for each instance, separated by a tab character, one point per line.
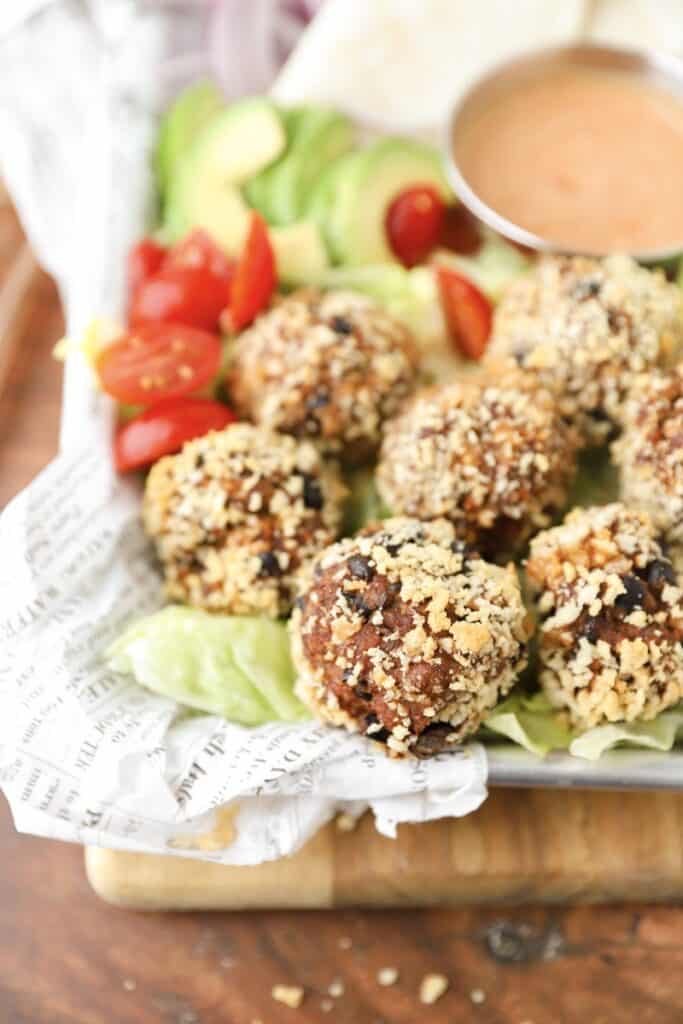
611	640
585	327
493	456
236	514
650	453
405	634
329	368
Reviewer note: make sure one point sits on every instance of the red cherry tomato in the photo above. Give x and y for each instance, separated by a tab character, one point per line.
144	260
158	361
413	223
255	277
165	428
460	231
192	287
468	313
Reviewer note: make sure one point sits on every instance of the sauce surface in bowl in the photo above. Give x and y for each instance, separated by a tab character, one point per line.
585	158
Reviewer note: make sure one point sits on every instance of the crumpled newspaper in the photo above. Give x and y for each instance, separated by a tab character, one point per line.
87	755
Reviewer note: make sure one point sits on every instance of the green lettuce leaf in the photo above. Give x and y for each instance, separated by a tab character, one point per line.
363	504
659	734
237	667
530	722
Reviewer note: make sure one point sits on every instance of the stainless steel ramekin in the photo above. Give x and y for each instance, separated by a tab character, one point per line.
659	68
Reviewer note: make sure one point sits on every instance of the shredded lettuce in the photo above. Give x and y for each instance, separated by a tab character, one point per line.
530	722
237	667
659	734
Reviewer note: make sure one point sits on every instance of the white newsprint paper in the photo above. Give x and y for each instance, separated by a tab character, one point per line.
87	755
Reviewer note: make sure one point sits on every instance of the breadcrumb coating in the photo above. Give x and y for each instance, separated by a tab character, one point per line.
492	455
611	640
649	452
327	367
586	327
405	634
236	514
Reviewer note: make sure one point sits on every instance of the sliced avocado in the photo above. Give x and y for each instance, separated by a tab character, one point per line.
318	206
258	191
321	137
180	126
232	146
372	178
300	253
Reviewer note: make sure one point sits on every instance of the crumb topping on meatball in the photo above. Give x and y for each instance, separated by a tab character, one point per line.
236	514
586	326
611	640
493	456
328	367
650	451
405	634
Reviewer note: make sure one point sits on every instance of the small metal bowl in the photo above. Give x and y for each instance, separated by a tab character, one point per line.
659	68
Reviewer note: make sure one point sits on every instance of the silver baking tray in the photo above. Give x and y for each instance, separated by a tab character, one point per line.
619	769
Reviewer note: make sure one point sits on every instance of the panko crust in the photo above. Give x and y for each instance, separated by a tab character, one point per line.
493	456
649	452
236	514
327	367
611	640
405	634
586	327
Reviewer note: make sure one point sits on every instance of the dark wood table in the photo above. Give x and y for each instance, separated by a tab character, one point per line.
65	958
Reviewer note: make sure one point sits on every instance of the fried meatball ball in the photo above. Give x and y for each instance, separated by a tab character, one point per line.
586	327
326	367
650	452
405	634
236	514
611	642
493	456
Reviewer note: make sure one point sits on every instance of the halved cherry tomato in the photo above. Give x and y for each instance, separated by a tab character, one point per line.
144	260
468	313
460	231
413	223
255	277
192	287
165	428
158	361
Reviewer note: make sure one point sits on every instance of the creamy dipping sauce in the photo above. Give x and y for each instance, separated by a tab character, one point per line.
587	159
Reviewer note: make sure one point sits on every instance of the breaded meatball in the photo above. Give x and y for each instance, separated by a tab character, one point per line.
408	636
650	452
586	327
236	514
611	640
493	456
326	367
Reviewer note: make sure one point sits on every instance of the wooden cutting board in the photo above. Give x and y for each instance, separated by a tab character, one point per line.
521	846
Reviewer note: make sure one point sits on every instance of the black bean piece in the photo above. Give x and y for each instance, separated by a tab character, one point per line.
392	549
362	692
360	567
341	325
659	573
199	461
300	603
355	600
634	595
318	400
380	735
433	740
586	290
313	495
519	357
269	564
